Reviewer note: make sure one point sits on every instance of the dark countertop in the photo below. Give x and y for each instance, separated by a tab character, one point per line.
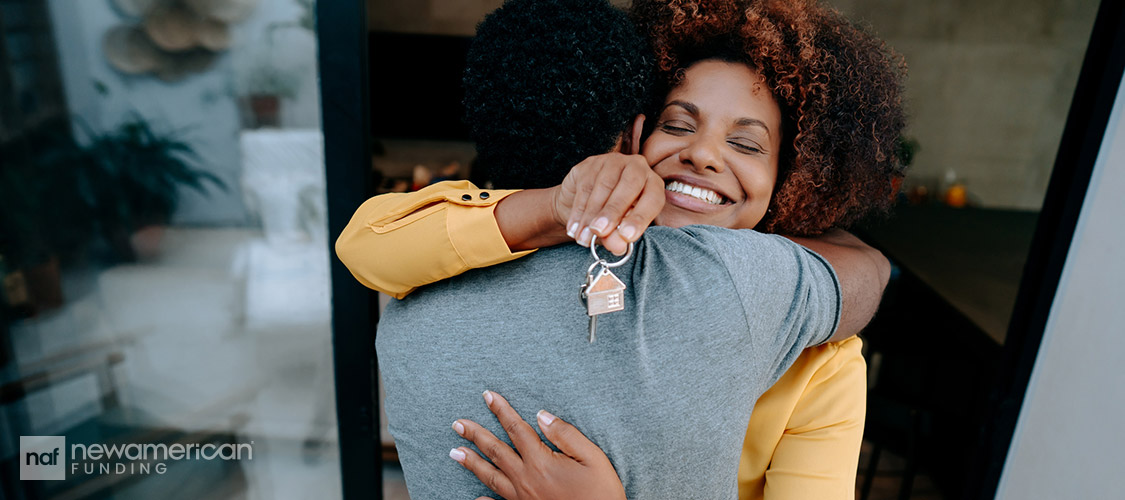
973	258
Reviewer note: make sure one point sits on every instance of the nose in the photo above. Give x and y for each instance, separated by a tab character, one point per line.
703	154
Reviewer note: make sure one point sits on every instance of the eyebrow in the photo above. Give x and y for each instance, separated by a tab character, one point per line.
741	122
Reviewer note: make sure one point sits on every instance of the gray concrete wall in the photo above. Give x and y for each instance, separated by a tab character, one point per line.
989	87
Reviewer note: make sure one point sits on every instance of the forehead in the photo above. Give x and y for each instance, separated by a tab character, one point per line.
728	88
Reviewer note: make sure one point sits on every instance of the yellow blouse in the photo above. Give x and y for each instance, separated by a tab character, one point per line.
803	438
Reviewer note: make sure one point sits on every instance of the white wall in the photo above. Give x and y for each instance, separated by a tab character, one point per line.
1070	438
204	104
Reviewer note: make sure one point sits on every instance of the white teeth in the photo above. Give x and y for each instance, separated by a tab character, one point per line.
706	195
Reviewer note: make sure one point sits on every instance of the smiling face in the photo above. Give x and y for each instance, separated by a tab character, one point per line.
716	146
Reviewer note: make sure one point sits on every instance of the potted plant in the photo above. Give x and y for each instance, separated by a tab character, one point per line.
263	86
132	177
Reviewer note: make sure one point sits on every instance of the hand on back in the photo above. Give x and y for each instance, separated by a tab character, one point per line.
533	471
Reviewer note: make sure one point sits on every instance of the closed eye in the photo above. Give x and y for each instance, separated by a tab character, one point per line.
676	128
748	148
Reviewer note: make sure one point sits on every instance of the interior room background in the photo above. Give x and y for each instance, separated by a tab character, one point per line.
194	305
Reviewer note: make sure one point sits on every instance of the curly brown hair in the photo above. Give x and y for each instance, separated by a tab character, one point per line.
839	89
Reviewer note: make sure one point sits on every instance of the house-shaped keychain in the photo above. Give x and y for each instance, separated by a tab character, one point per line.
605	294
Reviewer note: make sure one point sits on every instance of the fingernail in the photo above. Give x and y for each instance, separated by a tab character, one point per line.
572	229
488	397
457	455
584	238
600	224
627	231
545	418
458	427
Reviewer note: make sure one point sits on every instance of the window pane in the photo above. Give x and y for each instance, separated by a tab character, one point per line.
165	251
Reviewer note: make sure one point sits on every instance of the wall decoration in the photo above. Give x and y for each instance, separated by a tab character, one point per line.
172	39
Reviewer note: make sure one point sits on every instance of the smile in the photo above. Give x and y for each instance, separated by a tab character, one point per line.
702	194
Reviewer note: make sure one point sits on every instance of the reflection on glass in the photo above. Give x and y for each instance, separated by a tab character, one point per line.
164	251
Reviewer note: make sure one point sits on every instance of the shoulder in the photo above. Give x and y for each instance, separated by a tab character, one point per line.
701	234
732	247
830	359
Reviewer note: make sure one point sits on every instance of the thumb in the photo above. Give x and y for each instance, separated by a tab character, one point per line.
567	438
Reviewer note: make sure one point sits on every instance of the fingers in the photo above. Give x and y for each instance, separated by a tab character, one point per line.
496	450
649	204
568	439
630	186
596	180
578	185
606	188
488	474
614	243
521	433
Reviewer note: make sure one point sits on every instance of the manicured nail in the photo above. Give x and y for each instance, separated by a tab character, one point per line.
488	398
584	237
457	455
627	231
600	224
458	427
572	229
545	418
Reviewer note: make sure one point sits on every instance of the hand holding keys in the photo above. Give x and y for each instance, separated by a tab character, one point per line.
603	292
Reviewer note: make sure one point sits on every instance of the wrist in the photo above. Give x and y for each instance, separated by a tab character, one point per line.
528	220
559	213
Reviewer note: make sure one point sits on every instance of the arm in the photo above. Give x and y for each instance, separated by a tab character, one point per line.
615	196
818	454
397	242
863	273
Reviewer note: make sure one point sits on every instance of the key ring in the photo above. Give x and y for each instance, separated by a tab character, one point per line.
603	262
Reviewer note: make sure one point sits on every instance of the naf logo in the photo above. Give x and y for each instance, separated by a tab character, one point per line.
42	458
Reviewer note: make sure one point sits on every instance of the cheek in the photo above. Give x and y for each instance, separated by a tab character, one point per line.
657	149
759	183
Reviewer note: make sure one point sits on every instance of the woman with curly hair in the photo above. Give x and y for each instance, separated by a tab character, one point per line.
839	88
779	116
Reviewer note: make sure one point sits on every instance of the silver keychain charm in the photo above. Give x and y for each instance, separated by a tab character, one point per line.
602	292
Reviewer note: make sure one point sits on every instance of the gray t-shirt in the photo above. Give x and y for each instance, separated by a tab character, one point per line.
713	317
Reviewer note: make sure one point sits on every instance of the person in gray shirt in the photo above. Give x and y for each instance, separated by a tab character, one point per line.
667	387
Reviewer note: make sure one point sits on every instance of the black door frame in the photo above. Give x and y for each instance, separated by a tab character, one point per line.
342	40
1081	142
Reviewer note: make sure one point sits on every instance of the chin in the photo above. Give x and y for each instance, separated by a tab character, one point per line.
674	217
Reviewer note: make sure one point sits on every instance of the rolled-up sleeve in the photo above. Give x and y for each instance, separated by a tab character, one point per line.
397	242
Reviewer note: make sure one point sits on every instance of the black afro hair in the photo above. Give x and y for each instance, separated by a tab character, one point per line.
551	82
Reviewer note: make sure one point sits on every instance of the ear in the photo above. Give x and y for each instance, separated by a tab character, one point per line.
631	139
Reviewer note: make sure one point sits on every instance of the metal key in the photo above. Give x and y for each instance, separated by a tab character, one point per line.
602	292
586	301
